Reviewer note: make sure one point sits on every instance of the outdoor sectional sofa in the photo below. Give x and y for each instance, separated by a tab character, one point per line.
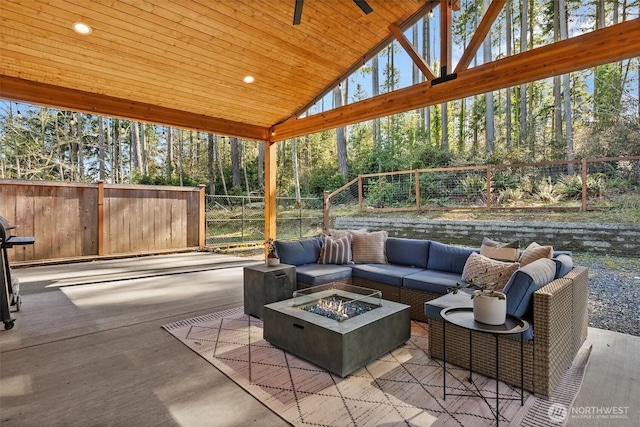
549	293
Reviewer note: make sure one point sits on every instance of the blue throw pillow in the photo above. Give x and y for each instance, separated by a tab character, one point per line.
447	258
564	264
410	252
299	252
524	283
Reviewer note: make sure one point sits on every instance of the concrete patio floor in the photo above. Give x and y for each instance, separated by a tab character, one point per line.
87	349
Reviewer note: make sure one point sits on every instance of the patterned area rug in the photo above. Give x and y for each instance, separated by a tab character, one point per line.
403	387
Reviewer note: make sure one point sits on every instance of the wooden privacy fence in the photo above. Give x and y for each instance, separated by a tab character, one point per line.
74	220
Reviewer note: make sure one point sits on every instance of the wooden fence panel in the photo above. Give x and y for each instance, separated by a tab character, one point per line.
63	217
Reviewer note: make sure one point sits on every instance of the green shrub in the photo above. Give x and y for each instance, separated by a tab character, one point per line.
510	196
569	186
472	185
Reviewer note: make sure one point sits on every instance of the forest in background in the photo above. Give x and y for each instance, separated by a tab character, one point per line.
590	113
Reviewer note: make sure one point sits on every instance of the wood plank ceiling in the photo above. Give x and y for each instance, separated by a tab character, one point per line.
189	57
182	63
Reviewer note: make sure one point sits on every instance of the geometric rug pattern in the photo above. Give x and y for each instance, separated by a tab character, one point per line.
403	387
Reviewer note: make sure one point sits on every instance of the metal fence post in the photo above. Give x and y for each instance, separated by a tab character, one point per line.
242	221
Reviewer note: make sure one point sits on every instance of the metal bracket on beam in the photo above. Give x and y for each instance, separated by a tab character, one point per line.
444	77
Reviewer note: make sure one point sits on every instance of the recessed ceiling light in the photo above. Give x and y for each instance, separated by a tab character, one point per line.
81	28
249	79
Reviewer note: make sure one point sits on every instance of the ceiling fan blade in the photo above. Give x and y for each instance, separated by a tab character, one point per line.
364	6
297	12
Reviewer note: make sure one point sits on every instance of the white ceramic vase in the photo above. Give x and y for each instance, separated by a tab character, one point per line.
490	308
271	262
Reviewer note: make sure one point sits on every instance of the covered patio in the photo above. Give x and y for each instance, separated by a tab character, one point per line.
88	349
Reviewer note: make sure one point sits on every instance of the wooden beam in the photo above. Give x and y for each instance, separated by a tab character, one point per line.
428	7
614	43
480	34
44	94
411	50
446	18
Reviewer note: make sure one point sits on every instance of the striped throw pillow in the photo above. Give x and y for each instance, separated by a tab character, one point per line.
335	251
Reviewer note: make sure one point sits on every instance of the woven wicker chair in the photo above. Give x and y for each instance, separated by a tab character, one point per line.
560	328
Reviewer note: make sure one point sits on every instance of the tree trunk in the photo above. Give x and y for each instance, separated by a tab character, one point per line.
261	166
445	127
101	159
294	165
566	78
507	105
341	136
180	156
168	138
211	166
135	141
426	53
219	160
375	91
235	163
524	31
557	101
143	149
489	117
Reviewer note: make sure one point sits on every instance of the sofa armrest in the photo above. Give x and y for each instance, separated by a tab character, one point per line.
560	325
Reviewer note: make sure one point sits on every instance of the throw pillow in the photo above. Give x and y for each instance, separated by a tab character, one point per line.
487	272
369	248
534	252
336	234
500	251
336	251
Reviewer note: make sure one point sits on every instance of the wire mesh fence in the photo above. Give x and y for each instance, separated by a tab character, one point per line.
578	184
234	220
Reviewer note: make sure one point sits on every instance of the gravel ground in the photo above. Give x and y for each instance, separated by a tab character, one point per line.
614	292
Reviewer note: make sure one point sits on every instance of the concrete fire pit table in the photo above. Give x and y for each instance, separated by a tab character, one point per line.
340	346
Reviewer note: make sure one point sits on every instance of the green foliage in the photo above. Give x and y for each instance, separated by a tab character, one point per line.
569	186
380	194
509	196
472	185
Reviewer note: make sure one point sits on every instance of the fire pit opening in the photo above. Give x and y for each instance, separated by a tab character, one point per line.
337	301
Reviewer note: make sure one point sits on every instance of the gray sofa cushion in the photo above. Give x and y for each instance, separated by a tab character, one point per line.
319	274
433	281
383	273
299	252
410	252
447	258
524	282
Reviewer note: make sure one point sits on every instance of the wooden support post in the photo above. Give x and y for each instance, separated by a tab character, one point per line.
584	185
327	207
202	220
269	192
417	182
100	218
360	197
488	186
